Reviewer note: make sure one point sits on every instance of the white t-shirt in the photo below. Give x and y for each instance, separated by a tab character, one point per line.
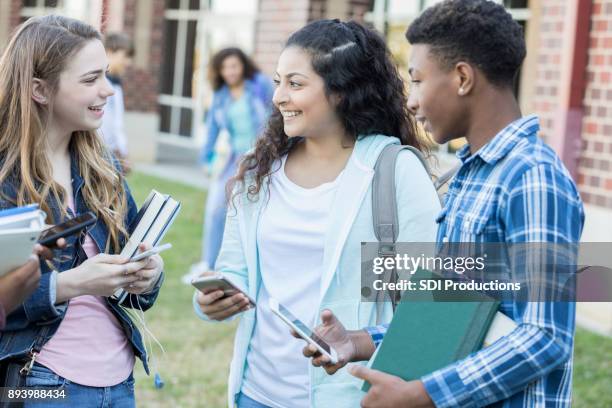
290	241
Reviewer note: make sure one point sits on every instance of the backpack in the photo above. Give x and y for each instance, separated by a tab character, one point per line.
384	208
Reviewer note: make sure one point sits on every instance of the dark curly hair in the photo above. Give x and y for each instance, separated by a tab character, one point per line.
357	67
214	73
480	32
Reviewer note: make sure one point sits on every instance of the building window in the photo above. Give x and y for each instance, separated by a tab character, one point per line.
194	30
175	99
392	17
33	8
515	4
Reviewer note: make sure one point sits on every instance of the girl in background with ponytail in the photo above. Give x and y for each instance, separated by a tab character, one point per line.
301	206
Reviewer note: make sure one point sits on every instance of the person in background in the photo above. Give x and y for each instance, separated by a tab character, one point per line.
119	50
241	102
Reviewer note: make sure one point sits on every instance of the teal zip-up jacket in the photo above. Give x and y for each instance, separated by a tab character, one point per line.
351	224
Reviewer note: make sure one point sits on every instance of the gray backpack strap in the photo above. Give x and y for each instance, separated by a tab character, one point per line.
384	208
384	200
384	212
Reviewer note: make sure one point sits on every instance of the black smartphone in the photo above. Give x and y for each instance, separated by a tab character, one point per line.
73	226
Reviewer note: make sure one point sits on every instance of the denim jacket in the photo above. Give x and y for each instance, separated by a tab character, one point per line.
37	319
259	88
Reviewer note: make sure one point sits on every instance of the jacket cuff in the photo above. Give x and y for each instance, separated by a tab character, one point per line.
157	286
144	301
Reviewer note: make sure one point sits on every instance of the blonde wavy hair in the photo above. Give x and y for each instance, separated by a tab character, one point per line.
40	48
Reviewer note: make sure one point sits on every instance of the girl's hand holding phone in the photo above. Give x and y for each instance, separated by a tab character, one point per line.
217	306
148	275
100	275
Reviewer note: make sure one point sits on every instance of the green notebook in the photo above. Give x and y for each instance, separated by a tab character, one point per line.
425	336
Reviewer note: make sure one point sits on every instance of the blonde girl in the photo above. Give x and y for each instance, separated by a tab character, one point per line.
68	333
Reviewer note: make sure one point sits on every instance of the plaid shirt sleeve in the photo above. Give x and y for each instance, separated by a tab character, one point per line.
543	207
377	333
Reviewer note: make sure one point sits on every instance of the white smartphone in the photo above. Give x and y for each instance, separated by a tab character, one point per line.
148	253
303	331
218	281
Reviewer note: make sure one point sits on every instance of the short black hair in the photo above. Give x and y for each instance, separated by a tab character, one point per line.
477	31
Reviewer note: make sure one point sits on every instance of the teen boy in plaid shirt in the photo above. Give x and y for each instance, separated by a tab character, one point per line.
511	188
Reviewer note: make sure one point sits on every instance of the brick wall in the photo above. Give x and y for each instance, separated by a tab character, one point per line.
277	19
595	167
548	71
317	10
15	13
141	84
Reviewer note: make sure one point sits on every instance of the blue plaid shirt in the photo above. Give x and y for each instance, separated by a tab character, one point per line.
514	189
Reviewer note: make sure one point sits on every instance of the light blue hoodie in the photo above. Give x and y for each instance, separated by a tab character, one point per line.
351	223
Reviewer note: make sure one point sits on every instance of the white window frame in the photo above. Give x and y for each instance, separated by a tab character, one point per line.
175	101
207	20
88	11
40	9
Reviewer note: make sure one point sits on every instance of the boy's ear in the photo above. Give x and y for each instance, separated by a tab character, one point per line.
464	78
40	91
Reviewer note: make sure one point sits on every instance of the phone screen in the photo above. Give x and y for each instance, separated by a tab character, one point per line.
305	329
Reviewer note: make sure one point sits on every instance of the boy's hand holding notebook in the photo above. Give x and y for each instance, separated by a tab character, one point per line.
425	336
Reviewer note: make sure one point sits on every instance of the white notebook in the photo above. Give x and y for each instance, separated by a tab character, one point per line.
153	220
18	235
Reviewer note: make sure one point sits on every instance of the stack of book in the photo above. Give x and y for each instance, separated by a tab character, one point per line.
150	225
20	228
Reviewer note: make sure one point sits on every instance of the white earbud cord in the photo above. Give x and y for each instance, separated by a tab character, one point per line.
139	319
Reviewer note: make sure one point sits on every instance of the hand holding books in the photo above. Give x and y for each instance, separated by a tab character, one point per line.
148	275
19	231
100	275
390	391
18	284
19	263
152	221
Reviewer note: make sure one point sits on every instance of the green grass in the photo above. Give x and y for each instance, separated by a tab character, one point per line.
592	370
196	364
